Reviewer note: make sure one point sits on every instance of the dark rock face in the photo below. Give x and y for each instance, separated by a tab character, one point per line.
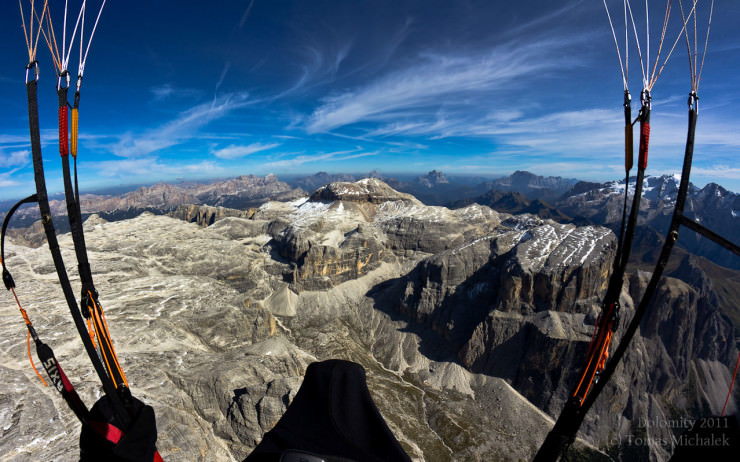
533	186
432	179
313	182
206	215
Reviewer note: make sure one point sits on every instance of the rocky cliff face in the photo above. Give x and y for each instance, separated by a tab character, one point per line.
472	325
205	215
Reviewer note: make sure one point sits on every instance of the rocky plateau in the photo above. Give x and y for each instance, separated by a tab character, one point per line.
472	325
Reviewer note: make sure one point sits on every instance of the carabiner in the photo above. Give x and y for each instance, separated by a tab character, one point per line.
694	101
64	74
645	98
35	66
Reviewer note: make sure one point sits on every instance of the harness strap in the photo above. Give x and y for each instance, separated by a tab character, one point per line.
45	210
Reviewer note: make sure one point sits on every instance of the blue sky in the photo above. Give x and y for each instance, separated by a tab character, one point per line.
196	90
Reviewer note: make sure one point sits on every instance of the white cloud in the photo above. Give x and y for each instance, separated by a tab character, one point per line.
162	92
179	130
717	171
14	159
326	157
235	152
245	15
6	182
143	169
6	179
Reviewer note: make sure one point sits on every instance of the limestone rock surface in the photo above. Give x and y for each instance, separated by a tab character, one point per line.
471	325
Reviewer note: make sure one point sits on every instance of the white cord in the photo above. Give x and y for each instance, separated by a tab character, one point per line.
616	44
74	33
89	42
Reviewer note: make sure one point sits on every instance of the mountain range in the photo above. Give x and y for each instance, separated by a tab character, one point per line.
563	200
472	324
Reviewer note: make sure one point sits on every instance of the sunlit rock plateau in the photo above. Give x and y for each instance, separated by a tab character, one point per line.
472	326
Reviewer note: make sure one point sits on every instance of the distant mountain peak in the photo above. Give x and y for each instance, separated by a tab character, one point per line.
432	179
533	186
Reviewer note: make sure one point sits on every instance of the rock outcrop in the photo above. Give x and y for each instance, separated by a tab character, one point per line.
205	215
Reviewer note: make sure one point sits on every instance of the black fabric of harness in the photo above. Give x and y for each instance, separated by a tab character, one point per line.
46	220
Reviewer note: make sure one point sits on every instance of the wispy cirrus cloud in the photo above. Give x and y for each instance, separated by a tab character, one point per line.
245	15
169	91
135	170
6	180
337	156
14	159
717	172
179	130
236	151
436	80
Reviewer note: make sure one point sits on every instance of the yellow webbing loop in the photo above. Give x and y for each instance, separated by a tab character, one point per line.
75	123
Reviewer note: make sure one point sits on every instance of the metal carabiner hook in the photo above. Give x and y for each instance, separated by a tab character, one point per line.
694	101
645	98
35	66
64	74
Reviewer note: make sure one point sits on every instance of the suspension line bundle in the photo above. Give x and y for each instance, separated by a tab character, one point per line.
88	316
599	366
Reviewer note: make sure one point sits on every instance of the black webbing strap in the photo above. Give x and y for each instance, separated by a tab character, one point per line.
46	220
89	302
75	107
628	161
565	429
671	238
709	234
571	417
45	353
74	215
